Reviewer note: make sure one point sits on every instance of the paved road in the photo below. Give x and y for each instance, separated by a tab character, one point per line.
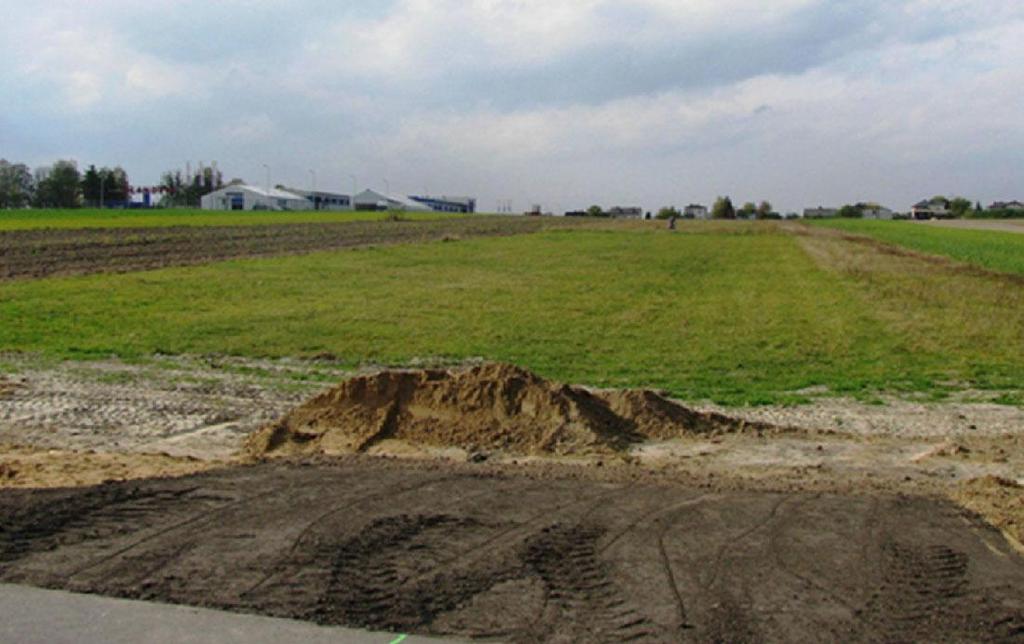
34	616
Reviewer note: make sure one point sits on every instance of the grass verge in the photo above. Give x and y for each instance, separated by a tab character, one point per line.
994	250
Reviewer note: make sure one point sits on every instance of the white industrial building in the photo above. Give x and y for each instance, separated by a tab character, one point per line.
373	200
324	200
245	197
447	203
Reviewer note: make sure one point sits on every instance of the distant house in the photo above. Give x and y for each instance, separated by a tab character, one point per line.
240	196
373	200
447	204
874	211
695	211
626	213
937	208
1007	205
820	213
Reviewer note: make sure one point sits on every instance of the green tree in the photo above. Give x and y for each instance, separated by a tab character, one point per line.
91	186
764	210
747	211
723	209
595	211
186	191
62	186
851	212
959	207
16	185
669	212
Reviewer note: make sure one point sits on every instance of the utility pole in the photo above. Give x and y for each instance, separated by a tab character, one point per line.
103	178
354	188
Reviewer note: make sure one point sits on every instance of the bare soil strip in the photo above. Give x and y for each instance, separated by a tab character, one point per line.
524	554
1001	225
42	253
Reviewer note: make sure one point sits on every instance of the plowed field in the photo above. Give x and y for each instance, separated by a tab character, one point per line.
41	253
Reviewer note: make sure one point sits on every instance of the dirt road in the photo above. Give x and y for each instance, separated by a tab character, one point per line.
1002	225
525	554
41	253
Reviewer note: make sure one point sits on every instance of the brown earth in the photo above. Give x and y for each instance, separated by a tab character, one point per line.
1000	501
28	467
530	553
481	408
46	252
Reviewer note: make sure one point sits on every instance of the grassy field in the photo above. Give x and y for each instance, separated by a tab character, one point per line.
737	315
995	250
96	218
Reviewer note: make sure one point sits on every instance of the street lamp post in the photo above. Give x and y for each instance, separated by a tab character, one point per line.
316	201
267	168
354	188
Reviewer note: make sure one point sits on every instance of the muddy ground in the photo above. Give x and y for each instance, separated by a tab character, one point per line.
836	528
46	252
525	554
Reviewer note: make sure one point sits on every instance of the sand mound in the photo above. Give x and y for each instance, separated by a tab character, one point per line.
485	407
1000	501
27	467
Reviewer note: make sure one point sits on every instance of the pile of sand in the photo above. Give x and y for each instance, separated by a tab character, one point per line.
28	467
1000	501
480	408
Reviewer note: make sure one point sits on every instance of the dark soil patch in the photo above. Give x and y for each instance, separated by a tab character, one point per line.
46	252
521	555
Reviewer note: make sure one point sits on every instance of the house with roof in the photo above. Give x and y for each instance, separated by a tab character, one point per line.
1007	205
240	196
936	208
695	211
875	211
820	212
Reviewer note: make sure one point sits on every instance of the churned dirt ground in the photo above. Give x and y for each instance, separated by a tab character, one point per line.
483	501
525	554
46	252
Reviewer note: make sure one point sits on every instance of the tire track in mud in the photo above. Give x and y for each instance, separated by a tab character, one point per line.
95	514
579	585
467	551
925	588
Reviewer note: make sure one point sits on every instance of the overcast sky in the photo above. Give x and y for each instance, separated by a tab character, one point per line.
558	102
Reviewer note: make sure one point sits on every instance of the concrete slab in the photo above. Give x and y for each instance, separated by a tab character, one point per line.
30	615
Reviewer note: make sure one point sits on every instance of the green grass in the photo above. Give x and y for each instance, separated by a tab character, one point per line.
995	250
96	218
736	318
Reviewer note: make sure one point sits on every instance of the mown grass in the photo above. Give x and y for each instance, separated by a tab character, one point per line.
995	250
735	318
96	218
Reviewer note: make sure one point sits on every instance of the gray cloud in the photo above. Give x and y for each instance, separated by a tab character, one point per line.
657	102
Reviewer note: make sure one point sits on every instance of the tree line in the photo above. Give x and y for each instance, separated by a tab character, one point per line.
63	185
